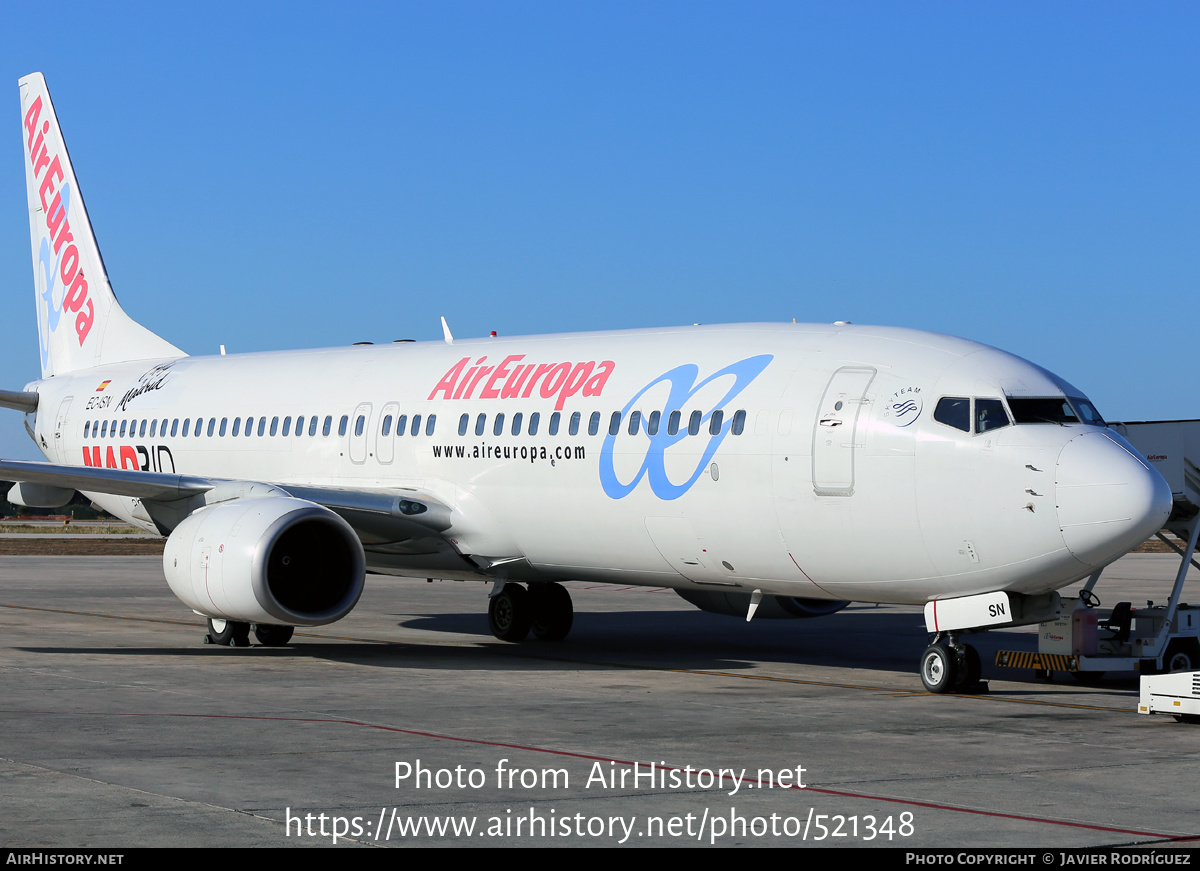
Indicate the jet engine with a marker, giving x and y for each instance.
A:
(276, 560)
(771, 607)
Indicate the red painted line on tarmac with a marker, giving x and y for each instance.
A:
(591, 757)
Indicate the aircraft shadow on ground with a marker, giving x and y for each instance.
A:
(685, 640)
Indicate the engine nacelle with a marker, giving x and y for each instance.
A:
(271, 560)
(771, 607)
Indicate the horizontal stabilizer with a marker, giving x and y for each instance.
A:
(19, 401)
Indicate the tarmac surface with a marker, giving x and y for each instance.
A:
(119, 728)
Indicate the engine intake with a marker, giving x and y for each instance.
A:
(271, 560)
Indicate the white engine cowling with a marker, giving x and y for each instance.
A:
(273, 560)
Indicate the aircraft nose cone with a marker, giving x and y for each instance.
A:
(1109, 499)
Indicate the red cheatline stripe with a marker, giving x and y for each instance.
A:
(594, 758)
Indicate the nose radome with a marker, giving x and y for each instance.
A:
(1109, 499)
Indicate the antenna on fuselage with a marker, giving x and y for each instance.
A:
(446, 331)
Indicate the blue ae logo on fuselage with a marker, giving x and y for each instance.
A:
(683, 387)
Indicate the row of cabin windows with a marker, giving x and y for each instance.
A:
(635, 422)
(261, 425)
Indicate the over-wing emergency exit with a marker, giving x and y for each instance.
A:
(757, 469)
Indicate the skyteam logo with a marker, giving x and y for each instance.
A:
(904, 406)
(682, 386)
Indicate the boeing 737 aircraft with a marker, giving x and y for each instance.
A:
(757, 469)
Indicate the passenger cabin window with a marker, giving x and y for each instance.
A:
(287, 425)
(237, 425)
(463, 423)
(694, 423)
(430, 422)
(498, 426)
(416, 425)
(652, 423)
(533, 422)
(715, 422)
(262, 426)
(635, 422)
(401, 424)
(614, 423)
(518, 419)
(328, 425)
(673, 423)
(342, 424)
(594, 423)
(212, 425)
(480, 423)
(954, 411)
(224, 424)
(739, 422)
(359, 425)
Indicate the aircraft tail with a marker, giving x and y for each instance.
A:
(80, 323)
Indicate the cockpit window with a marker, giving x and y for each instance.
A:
(1051, 409)
(954, 411)
(1086, 411)
(989, 415)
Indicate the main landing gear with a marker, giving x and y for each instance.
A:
(948, 665)
(230, 633)
(545, 608)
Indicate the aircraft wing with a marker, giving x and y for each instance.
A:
(120, 482)
(378, 516)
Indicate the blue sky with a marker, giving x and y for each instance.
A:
(301, 175)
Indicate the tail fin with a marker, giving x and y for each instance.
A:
(80, 323)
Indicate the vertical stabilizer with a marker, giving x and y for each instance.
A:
(80, 324)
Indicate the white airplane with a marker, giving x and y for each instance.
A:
(770, 469)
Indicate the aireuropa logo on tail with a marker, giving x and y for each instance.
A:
(64, 288)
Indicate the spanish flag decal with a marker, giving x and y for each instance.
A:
(103, 385)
